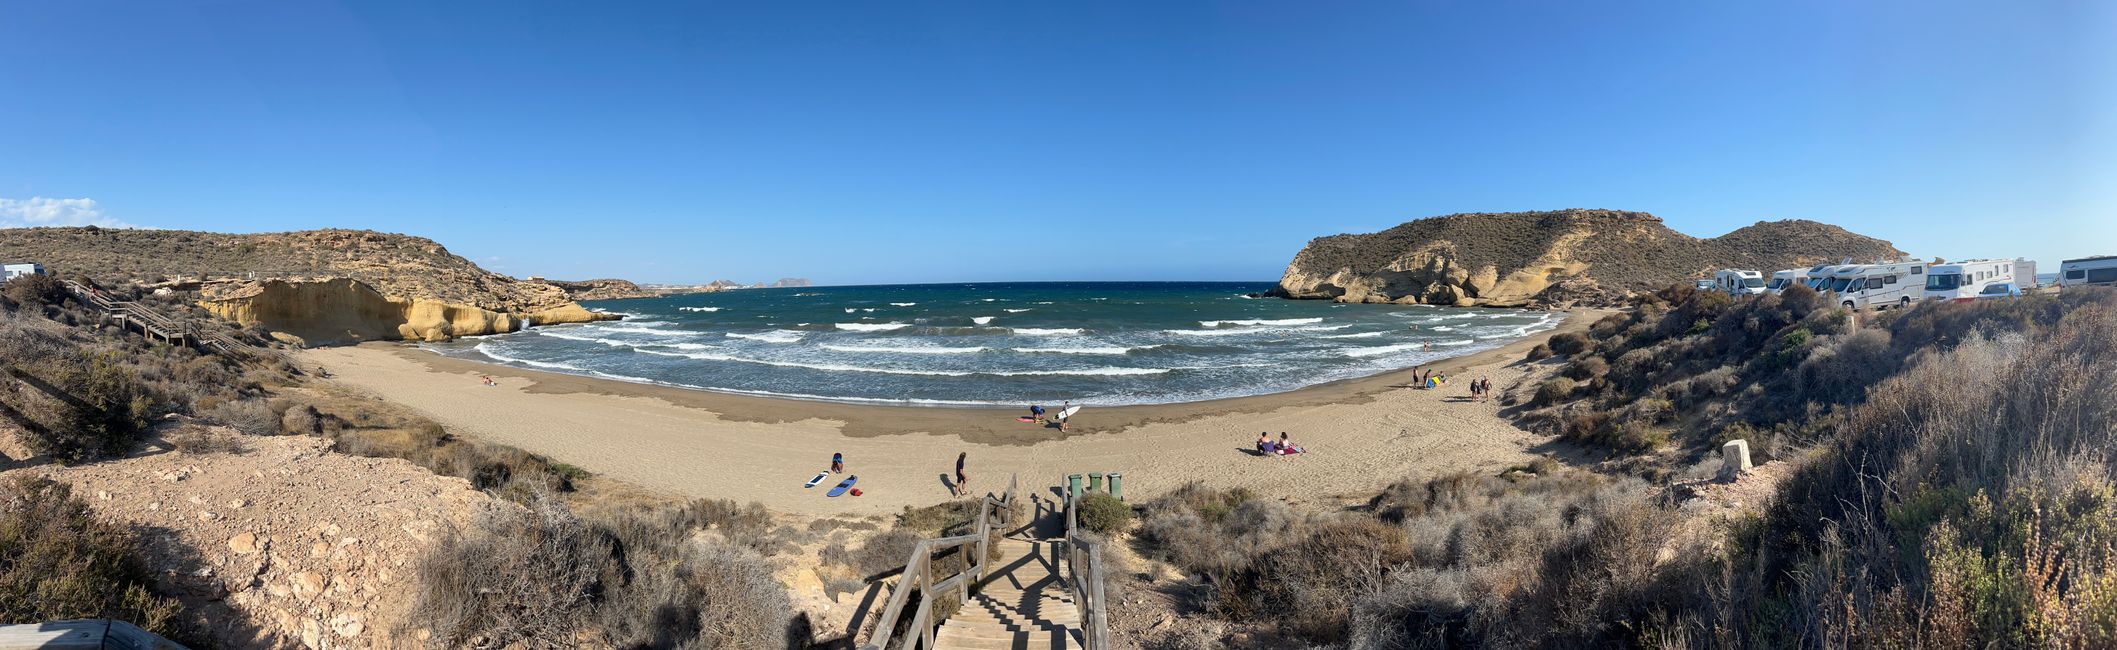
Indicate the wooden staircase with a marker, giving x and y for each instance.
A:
(1023, 605)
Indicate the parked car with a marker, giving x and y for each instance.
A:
(1998, 290)
(1703, 285)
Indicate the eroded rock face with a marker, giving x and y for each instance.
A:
(1538, 259)
(343, 310)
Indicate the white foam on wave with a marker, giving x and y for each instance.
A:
(1257, 330)
(1444, 328)
(1400, 347)
(982, 320)
(1358, 335)
(587, 339)
(835, 367)
(1096, 350)
(1015, 311)
(1056, 331)
(1260, 321)
(1046, 302)
(990, 299)
(774, 336)
(708, 309)
(643, 329)
(490, 353)
(872, 327)
(904, 304)
(851, 309)
(901, 350)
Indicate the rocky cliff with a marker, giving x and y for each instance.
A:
(1518, 259)
(316, 286)
(600, 289)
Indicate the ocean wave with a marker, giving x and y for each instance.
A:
(490, 353)
(1100, 350)
(1015, 311)
(649, 331)
(774, 336)
(1444, 328)
(896, 350)
(851, 309)
(872, 327)
(837, 367)
(982, 320)
(1046, 302)
(586, 339)
(1360, 335)
(1260, 321)
(1257, 330)
(1400, 347)
(904, 304)
(708, 309)
(1057, 331)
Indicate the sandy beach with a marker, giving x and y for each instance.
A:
(1361, 434)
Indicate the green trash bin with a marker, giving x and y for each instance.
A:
(1073, 485)
(1095, 481)
(1117, 486)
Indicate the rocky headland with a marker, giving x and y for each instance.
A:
(1549, 259)
(311, 287)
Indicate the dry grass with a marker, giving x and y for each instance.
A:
(57, 561)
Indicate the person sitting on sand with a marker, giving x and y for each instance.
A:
(838, 463)
(1264, 442)
(1287, 447)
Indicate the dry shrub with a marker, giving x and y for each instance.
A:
(1569, 343)
(540, 575)
(57, 561)
(301, 420)
(1587, 368)
(196, 440)
(250, 416)
(1541, 352)
(1317, 576)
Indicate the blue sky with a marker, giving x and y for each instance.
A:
(920, 142)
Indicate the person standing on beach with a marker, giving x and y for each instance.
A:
(962, 480)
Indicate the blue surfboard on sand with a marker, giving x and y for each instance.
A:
(847, 484)
(819, 479)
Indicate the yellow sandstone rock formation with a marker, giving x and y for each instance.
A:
(344, 310)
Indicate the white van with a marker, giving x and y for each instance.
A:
(1865, 286)
(1787, 278)
(1737, 282)
(1963, 281)
(2088, 271)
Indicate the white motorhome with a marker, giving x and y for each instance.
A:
(12, 271)
(2025, 273)
(1787, 278)
(2088, 271)
(1737, 282)
(1963, 281)
(1865, 286)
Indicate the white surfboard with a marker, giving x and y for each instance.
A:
(1068, 413)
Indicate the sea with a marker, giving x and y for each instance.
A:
(1100, 343)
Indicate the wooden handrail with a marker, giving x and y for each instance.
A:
(918, 574)
(168, 328)
(1084, 570)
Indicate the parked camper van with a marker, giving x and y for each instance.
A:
(2024, 273)
(2088, 271)
(1865, 286)
(1787, 278)
(1737, 282)
(1964, 281)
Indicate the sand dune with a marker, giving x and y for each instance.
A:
(1362, 434)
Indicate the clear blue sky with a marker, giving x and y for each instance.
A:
(917, 142)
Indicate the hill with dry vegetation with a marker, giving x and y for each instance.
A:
(313, 286)
(1594, 257)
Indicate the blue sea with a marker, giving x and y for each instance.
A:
(1001, 344)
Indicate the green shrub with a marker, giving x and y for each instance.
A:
(34, 290)
(1568, 343)
(1553, 391)
(1541, 352)
(57, 561)
(1103, 513)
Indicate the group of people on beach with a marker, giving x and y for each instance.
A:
(961, 488)
(1480, 390)
(1036, 411)
(1281, 447)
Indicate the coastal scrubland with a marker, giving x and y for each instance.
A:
(1950, 485)
(636, 571)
